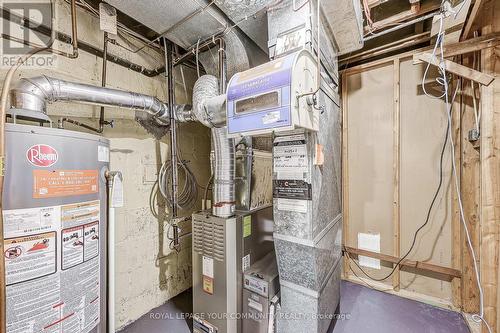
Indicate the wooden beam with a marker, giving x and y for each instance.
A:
(401, 17)
(467, 46)
(457, 69)
(447, 273)
(345, 174)
(471, 19)
(452, 52)
(390, 47)
(396, 204)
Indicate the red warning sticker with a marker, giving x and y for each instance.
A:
(63, 183)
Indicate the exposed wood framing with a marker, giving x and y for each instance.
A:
(391, 47)
(490, 171)
(471, 19)
(412, 13)
(472, 45)
(470, 191)
(345, 175)
(460, 70)
(467, 46)
(456, 226)
(396, 205)
(437, 271)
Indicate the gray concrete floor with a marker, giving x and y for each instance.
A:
(366, 310)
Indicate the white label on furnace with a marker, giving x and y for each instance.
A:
(208, 267)
(271, 117)
(290, 155)
(292, 205)
(245, 262)
(102, 154)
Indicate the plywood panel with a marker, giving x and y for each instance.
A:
(370, 157)
(423, 126)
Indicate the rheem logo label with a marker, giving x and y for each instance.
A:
(42, 155)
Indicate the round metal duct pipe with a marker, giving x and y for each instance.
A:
(34, 93)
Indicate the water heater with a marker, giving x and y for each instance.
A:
(54, 211)
(267, 98)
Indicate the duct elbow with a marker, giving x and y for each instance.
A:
(208, 106)
(31, 94)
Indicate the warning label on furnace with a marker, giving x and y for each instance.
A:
(63, 183)
(53, 276)
(292, 189)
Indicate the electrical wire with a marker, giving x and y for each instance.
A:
(189, 193)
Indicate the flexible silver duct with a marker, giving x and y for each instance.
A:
(209, 109)
(34, 93)
(223, 193)
(208, 106)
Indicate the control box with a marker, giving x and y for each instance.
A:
(270, 97)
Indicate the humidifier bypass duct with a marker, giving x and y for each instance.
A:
(209, 109)
(33, 94)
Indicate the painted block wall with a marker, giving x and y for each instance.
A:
(148, 273)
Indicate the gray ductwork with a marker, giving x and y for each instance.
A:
(33, 94)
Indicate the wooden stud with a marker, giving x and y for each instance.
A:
(490, 172)
(396, 205)
(460, 70)
(444, 273)
(345, 173)
(470, 191)
(456, 225)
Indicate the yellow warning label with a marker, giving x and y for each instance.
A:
(208, 285)
(247, 226)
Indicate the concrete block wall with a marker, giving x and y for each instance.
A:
(148, 273)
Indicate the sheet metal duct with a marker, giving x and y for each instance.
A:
(345, 20)
(250, 16)
(175, 19)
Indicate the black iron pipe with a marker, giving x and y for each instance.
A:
(102, 121)
(67, 39)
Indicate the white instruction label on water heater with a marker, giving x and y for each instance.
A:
(52, 268)
(102, 154)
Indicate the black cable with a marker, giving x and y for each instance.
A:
(427, 219)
